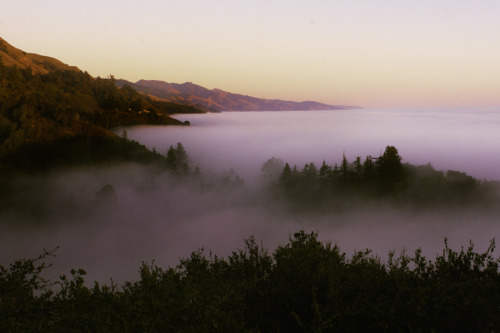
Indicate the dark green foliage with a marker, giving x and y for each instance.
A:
(383, 178)
(177, 159)
(26, 300)
(305, 285)
(77, 151)
(37, 110)
(389, 170)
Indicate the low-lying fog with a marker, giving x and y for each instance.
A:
(156, 218)
(460, 139)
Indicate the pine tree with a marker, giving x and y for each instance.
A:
(368, 170)
(389, 169)
(344, 169)
(171, 158)
(181, 159)
(325, 172)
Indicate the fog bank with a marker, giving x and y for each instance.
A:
(156, 217)
(457, 139)
(151, 215)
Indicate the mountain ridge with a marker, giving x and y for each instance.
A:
(39, 64)
(220, 100)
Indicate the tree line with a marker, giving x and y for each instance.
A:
(304, 285)
(384, 177)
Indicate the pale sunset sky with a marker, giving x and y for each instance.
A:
(385, 53)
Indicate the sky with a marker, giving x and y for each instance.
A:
(384, 53)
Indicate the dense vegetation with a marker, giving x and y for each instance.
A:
(385, 177)
(304, 285)
(66, 110)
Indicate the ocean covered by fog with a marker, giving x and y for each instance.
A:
(464, 139)
(156, 218)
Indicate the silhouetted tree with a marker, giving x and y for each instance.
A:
(171, 159)
(344, 168)
(181, 158)
(389, 169)
(325, 173)
(358, 168)
(287, 172)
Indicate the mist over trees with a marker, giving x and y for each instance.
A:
(303, 285)
(344, 187)
(379, 178)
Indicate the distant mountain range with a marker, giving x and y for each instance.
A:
(220, 100)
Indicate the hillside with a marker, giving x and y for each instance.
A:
(220, 100)
(39, 64)
(46, 106)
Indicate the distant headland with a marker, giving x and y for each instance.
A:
(220, 100)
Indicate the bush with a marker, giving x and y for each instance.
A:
(305, 285)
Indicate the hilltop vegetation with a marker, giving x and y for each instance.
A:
(304, 285)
